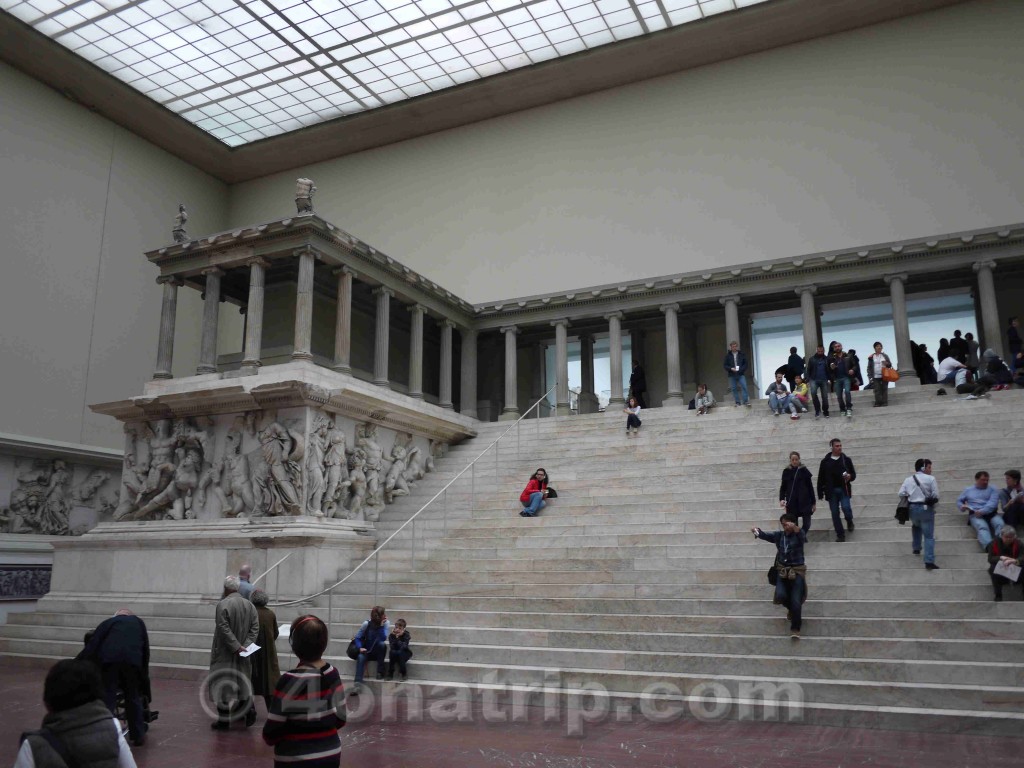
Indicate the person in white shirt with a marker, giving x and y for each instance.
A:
(633, 419)
(877, 363)
(703, 401)
(947, 370)
(922, 491)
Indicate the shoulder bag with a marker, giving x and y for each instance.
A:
(929, 501)
(890, 374)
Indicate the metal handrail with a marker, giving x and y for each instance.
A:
(271, 568)
(437, 495)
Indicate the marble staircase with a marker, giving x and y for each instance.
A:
(644, 572)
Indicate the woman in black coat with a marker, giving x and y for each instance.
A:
(796, 492)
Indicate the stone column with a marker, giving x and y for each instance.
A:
(511, 409)
(615, 360)
(588, 400)
(561, 367)
(445, 380)
(343, 321)
(254, 316)
(674, 396)
(211, 313)
(468, 391)
(689, 359)
(304, 307)
(732, 319)
(809, 319)
(382, 336)
(416, 352)
(538, 379)
(168, 316)
(993, 335)
(901, 327)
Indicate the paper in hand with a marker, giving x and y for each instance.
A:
(249, 651)
(1010, 571)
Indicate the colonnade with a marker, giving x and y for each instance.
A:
(384, 294)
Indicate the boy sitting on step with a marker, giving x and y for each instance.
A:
(400, 653)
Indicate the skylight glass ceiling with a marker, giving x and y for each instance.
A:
(244, 70)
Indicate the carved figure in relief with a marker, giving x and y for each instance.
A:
(176, 498)
(336, 467)
(316, 482)
(396, 483)
(282, 451)
(374, 455)
(161, 460)
(236, 482)
(356, 484)
(178, 232)
(39, 501)
(304, 191)
(53, 517)
(212, 478)
(88, 487)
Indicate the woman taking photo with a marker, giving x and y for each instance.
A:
(796, 492)
(533, 495)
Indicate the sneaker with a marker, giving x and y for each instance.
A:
(849, 525)
(817, 415)
(794, 416)
(840, 539)
(931, 566)
(917, 551)
(795, 634)
(826, 415)
(971, 397)
(737, 405)
(747, 404)
(523, 514)
(777, 413)
(849, 414)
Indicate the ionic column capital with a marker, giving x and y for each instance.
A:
(513, 329)
(215, 271)
(668, 307)
(725, 300)
(383, 290)
(307, 250)
(345, 269)
(980, 265)
(416, 308)
(562, 321)
(447, 322)
(613, 315)
(900, 276)
(811, 289)
(172, 280)
(258, 261)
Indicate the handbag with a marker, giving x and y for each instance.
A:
(929, 501)
(903, 510)
(353, 650)
(890, 374)
(552, 493)
(773, 572)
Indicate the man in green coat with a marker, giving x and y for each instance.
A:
(229, 685)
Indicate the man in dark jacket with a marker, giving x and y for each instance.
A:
(819, 375)
(638, 384)
(835, 475)
(958, 348)
(841, 368)
(794, 367)
(120, 648)
(735, 365)
(77, 728)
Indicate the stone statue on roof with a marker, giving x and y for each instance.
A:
(178, 233)
(304, 191)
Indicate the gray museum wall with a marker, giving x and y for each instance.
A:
(80, 200)
(894, 131)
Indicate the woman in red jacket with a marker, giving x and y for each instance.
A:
(534, 494)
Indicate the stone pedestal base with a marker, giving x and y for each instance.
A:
(674, 400)
(588, 402)
(908, 381)
(147, 560)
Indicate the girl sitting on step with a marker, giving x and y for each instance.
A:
(633, 418)
(532, 497)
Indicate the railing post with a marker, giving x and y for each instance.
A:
(376, 574)
(330, 610)
(472, 489)
(497, 490)
(414, 543)
(518, 424)
(445, 511)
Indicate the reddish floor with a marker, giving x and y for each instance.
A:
(182, 738)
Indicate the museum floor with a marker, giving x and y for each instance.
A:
(181, 738)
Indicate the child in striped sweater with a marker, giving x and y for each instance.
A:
(308, 706)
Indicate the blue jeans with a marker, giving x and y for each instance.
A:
(923, 520)
(816, 387)
(790, 593)
(736, 383)
(780, 404)
(837, 499)
(843, 394)
(981, 525)
(536, 504)
(374, 654)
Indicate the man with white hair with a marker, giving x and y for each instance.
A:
(245, 586)
(235, 628)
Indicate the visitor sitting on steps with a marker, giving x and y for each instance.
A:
(779, 399)
(801, 393)
(791, 574)
(633, 419)
(980, 502)
(533, 495)
(703, 401)
(400, 653)
(371, 642)
(1006, 547)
